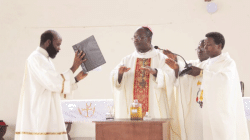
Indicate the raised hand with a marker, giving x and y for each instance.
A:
(78, 60)
(173, 65)
(150, 70)
(121, 70)
(81, 75)
(195, 71)
(170, 55)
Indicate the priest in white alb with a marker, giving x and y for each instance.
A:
(39, 112)
(187, 89)
(219, 97)
(143, 75)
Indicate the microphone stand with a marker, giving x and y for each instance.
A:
(187, 66)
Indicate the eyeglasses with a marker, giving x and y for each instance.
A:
(200, 49)
(138, 38)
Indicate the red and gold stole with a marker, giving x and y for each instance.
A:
(141, 83)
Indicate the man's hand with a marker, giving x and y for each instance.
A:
(150, 70)
(81, 75)
(195, 71)
(78, 60)
(121, 70)
(173, 65)
(170, 55)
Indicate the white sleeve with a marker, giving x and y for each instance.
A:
(51, 80)
(164, 74)
(114, 76)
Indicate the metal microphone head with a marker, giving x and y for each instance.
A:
(186, 70)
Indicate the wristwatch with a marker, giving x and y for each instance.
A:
(201, 72)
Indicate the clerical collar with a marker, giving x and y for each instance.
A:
(43, 51)
(151, 53)
(214, 59)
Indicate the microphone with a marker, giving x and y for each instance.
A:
(187, 66)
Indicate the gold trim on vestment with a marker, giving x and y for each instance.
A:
(63, 85)
(46, 133)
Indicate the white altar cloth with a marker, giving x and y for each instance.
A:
(246, 101)
(86, 110)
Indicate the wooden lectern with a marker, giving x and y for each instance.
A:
(126, 129)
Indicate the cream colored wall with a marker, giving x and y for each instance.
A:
(178, 25)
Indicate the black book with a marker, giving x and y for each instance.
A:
(93, 54)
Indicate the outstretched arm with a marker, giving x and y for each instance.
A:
(173, 65)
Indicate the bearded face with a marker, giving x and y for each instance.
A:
(52, 50)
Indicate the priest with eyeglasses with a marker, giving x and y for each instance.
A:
(144, 76)
(219, 95)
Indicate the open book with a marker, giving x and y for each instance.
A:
(93, 54)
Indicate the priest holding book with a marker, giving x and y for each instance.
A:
(145, 77)
(39, 112)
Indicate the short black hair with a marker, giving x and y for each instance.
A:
(45, 36)
(218, 38)
(202, 41)
(148, 32)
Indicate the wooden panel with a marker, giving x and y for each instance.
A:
(132, 130)
(166, 130)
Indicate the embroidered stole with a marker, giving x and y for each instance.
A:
(199, 100)
(141, 84)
